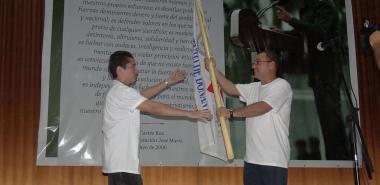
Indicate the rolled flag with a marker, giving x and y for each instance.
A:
(210, 135)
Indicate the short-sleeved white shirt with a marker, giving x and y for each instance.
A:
(121, 129)
(267, 141)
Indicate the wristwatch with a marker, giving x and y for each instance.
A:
(231, 113)
(166, 82)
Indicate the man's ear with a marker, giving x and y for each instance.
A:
(273, 65)
(118, 68)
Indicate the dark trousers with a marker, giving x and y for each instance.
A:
(327, 100)
(264, 175)
(122, 178)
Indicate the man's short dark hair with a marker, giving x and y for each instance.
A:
(118, 58)
(272, 55)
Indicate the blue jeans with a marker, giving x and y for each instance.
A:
(255, 174)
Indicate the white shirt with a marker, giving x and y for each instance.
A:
(121, 129)
(267, 141)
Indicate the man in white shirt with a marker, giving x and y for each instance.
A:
(267, 121)
(121, 118)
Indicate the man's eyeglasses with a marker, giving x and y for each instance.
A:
(261, 61)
